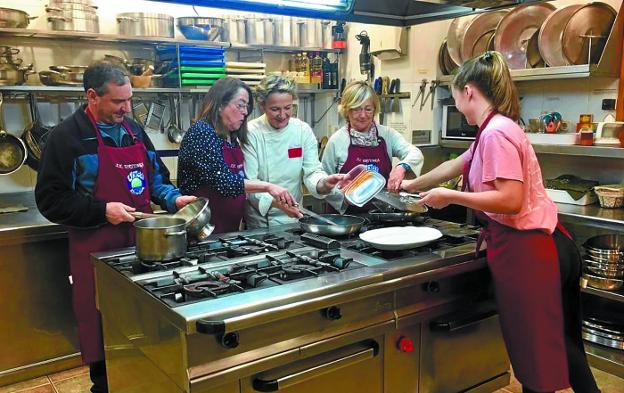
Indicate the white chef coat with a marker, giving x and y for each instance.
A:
(284, 157)
(337, 150)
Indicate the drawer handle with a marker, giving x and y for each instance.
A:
(274, 385)
(462, 319)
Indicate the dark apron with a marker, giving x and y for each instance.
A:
(122, 177)
(374, 157)
(226, 213)
(525, 271)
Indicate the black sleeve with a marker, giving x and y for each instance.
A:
(55, 194)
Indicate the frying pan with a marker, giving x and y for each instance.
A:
(12, 150)
(345, 225)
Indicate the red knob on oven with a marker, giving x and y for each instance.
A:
(405, 344)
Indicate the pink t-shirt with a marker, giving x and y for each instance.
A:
(504, 152)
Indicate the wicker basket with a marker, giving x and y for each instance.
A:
(610, 196)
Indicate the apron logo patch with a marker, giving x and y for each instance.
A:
(136, 182)
(372, 167)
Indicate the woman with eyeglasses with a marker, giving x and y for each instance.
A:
(363, 141)
(534, 261)
(210, 160)
(283, 150)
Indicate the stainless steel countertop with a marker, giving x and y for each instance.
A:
(593, 213)
(27, 225)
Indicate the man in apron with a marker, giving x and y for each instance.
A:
(98, 167)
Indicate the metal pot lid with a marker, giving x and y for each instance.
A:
(478, 33)
(549, 40)
(455, 37)
(515, 30)
(145, 15)
(595, 20)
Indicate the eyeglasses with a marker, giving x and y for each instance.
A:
(367, 110)
(241, 106)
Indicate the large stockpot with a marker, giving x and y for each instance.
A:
(345, 225)
(160, 238)
(234, 30)
(85, 19)
(283, 31)
(145, 24)
(12, 18)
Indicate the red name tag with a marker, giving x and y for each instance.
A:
(295, 152)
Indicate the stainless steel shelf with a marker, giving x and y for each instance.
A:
(116, 39)
(568, 150)
(592, 213)
(617, 296)
(150, 90)
(606, 359)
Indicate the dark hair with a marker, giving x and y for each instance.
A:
(219, 96)
(99, 75)
(490, 74)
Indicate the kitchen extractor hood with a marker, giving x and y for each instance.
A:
(384, 12)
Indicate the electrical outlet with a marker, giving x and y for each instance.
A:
(608, 104)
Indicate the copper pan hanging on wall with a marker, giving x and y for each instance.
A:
(455, 36)
(586, 33)
(478, 33)
(516, 29)
(549, 39)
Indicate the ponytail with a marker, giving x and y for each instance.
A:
(490, 74)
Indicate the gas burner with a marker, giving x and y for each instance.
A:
(203, 282)
(204, 289)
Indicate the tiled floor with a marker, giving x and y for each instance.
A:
(77, 381)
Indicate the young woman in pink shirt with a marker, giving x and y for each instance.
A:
(534, 262)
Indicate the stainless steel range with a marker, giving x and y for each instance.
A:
(279, 310)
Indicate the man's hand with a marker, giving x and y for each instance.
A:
(117, 212)
(184, 200)
(396, 177)
(281, 195)
(291, 211)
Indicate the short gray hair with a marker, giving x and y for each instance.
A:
(100, 74)
(275, 84)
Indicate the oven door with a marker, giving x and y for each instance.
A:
(352, 368)
(464, 351)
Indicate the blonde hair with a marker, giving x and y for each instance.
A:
(275, 84)
(489, 73)
(354, 95)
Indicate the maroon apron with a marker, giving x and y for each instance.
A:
(374, 157)
(525, 270)
(122, 177)
(226, 213)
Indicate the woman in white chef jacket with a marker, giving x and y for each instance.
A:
(284, 151)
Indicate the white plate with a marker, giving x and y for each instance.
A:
(400, 238)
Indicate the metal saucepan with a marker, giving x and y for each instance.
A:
(160, 238)
(197, 216)
(12, 150)
(612, 243)
(345, 225)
